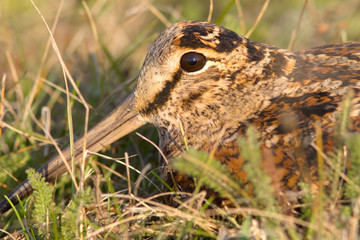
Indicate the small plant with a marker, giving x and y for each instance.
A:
(73, 224)
(43, 212)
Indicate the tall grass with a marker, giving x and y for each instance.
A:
(101, 48)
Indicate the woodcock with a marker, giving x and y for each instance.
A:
(215, 83)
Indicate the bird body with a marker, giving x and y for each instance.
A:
(284, 95)
(204, 85)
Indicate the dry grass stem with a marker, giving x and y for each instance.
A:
(258, 19)
(157, 13)
(128, 175)
(211, 9)
(57, 87)
(241, 17)
(44, 57)
(296, 32)
(15, 77)
(2, 112)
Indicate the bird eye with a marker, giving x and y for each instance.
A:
(192, 61)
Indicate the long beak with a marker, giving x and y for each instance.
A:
(120, 122)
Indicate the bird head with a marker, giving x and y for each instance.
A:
(207, 80)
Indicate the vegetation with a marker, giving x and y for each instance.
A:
(101, 48)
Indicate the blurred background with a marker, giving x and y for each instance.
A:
(103, 44)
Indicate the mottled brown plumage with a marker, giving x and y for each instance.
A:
(215, 84)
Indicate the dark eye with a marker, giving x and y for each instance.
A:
(192, 61)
